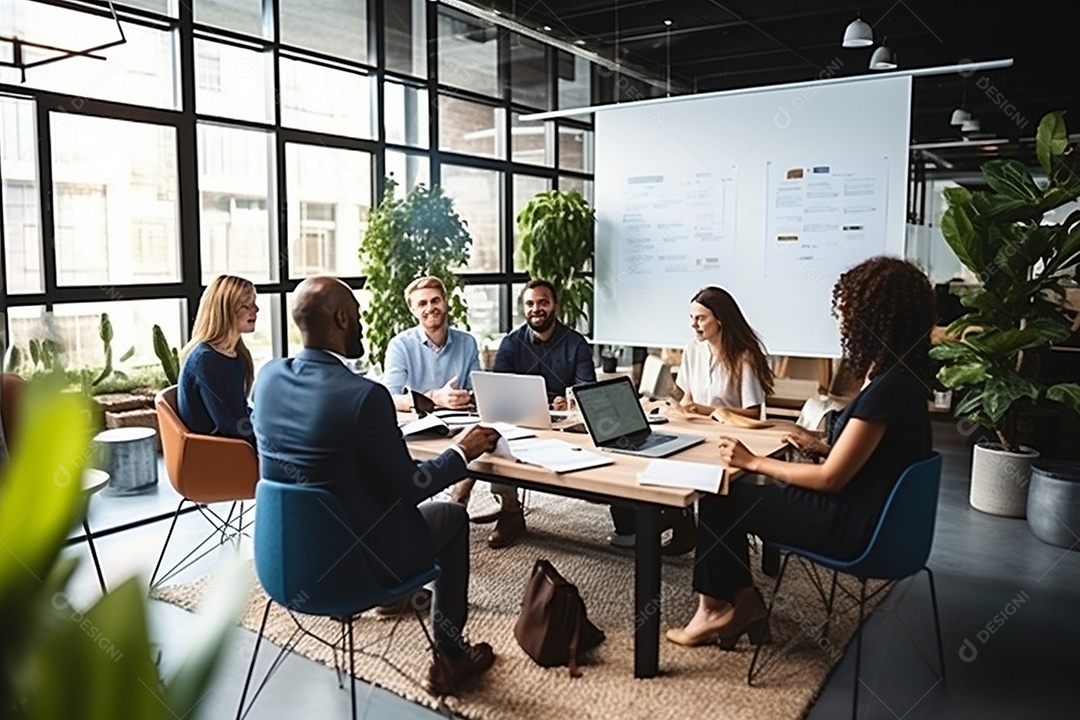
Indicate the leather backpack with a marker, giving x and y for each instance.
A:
(553, 628)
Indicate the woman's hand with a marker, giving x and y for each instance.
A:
(807, 443)
(734, 454)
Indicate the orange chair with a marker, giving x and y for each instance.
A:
(204, 469)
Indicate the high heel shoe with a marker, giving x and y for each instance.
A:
(706, 636)
(750, 617)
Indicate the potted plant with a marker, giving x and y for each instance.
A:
(991, 357)
(407, 238)
(609, 357)
(557, 237)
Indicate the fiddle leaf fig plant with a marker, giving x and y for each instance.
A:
(1018, 311)
(557, 236)
(406, 238)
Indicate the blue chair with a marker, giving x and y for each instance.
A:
(310, 560)
(898, 548)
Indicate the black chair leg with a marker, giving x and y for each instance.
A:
(858, 650)
(937, 622)
(94, 556)
(251, 667)
(768, 615)
(352, 669)
(172, 526)
(829, 606)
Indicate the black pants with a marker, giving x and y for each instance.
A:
(625, 519)
(788, 515)
(449, 525)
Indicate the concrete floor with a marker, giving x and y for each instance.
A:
(986, 567)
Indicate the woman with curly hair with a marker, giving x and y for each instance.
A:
(216, 370)
(885, 310)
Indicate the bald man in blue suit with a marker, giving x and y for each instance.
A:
(317, 421)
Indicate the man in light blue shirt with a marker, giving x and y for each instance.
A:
(431, 358)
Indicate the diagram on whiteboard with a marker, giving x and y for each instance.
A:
(677, 228)
(823, 218)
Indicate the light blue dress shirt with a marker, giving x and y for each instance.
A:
(413, 361)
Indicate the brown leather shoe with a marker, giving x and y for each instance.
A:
(416, 600)
(445, 675)
(508, 529)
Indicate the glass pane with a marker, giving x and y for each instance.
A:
(115, 190)
(585, 187)
(139, 71)
(236, 231)
(483, 302)
(528, 72)
(333, 27)
(74, 327)
(525, 188)
(243, 16)
(322, 99)
(329, 195)
(22, 217)
(575, 148)
(165, 7)
(471, 128)
(468, 54)
(405, 26)
(532, 142)
(261, 342)
(408, 170)
(406, 115)
(231, 81)
(476, 196)
(575, 80)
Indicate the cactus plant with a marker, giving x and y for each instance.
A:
(105, 332)
(170, 359)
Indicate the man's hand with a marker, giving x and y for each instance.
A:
(450, 395)
(478, 441)
(559, 403)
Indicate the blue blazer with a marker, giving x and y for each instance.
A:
(318, 422)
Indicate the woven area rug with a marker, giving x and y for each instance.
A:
(694, 682)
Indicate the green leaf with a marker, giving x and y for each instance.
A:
(127, 354)
(1051, 138)
(952, 351)
(1011, 178)
(960, 234)
(1067, 394)
(956, 376)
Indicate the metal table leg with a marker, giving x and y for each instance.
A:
(647, 592)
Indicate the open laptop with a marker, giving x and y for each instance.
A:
(616, 422)
(514, 399)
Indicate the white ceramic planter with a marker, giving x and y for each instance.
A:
(999, 480)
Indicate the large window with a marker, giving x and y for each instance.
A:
(213, 141)
(115, 189)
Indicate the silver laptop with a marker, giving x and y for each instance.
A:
(515, 399)
(616, 422)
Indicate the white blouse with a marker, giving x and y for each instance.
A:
(708, 383)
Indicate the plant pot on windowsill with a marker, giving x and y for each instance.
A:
(609, 364)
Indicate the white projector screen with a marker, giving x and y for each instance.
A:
(768, 193)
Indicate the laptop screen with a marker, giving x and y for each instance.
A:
(611, 409)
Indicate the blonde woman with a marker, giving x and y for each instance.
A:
(216, 371)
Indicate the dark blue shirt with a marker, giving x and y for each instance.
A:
(564, 361)
(210, 394)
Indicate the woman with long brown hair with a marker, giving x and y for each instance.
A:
(724, 366)
(216, 371)
(885, 311)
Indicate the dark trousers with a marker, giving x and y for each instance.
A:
(449, 525)
(788, 515)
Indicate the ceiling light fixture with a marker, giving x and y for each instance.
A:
(547, 28)
(858, 34)
(959, 116)
(668, 22)
(884, 57)
(971, 125)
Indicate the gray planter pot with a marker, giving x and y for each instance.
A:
(1053, 510)
(999, 480)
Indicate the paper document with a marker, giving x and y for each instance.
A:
(681, 474)
(511, 432)
(555, 455)
(428, 426)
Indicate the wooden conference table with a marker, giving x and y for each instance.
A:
(617, 484)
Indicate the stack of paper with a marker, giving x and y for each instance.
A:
(555, 455)
(683, 475)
